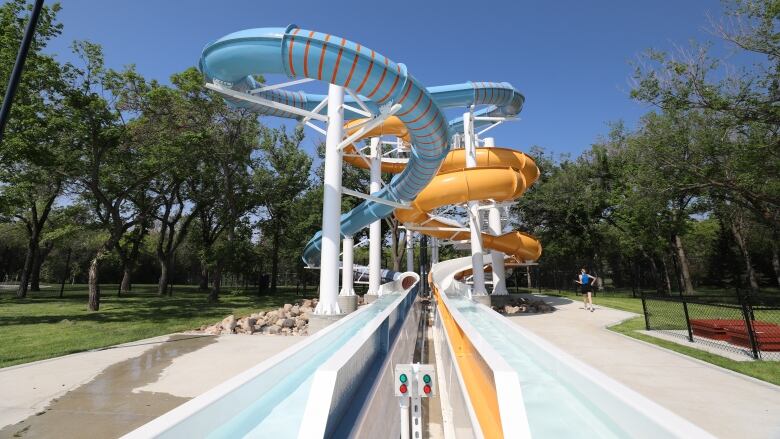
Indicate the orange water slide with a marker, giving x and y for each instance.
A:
(502, 174)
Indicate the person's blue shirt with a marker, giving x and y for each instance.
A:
(585, 279)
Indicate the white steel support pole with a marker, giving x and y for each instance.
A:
(404, 406)
(375, 229)
(347, 262)
(434, 251)
(409, 251)
(496, 257)
(331, 205)
(477, 259)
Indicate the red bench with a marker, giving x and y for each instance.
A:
(734, 331)
(767, 337)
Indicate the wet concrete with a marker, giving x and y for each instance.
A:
(106, 406)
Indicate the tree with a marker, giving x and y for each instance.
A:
(34, 158)
(113, 174)
(744, 105)
(174, 127)
(281, 181)
(224, 197)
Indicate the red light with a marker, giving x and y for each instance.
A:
(403, 388)
(427, 389)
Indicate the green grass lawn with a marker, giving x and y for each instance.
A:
(764, 370)
(45, 326)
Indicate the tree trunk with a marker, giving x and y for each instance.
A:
(275, 258)
(204, 277)
(394, 246)
(736, 230)
(216, 283)
(32, 248)
(685, 271)
(667, 280)
(94, 285)
(35, 274)
(40, 258)
(656, 275)
(162, 282)
(776, 258)
(124, 287)
(65, 273)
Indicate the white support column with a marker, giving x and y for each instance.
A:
(434, 251)
(331, 205)
(347, 267)
(375, 229)
(496, 257)
(409, 251)
(477, 259)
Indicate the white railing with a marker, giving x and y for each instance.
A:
(332, 403)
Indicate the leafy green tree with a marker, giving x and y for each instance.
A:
(174, 127)
(224, 196)
(743, 102)
(114, 174)
(34, 154)
(281, 182)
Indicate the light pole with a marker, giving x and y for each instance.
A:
(16, 73)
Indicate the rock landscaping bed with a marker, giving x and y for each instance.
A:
(524, 306)
(291, 319)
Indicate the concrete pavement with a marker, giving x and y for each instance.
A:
(727, 404)
(111, 392)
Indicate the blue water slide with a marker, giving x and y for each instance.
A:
(232, 61)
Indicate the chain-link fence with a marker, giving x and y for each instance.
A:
(741, 324)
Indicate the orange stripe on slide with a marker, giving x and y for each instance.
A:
(354, 63)
(480, 386)
(430, 103)
(381, 80)
(433, 119)
(290, 52)
(306, 55)
(322, 57)
(406, 93)
(368, 73)
(413, 105)
(338, 61)
(397, 77)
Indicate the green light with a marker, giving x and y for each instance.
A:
(402, 377)
(426, 378)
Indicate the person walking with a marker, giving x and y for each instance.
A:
(586, 288)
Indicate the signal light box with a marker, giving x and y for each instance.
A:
(426, 385)
(403, 374)
(415, 380)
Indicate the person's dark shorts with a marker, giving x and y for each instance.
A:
(585, 289)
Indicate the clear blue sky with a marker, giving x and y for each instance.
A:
(569, 58)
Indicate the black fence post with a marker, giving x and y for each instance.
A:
(746, 315)
(647, 317)
(687, 318)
